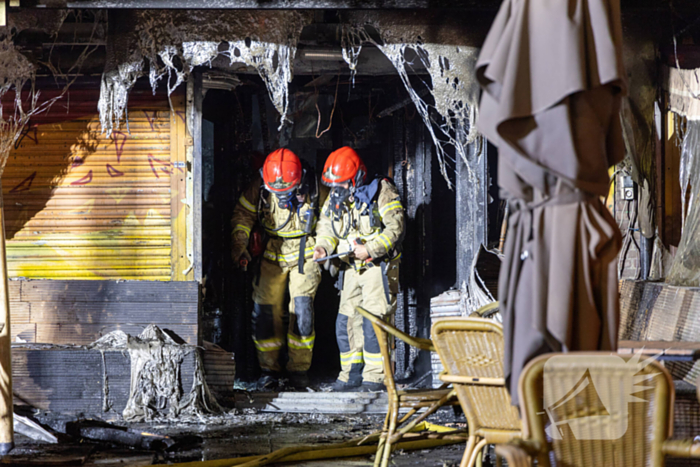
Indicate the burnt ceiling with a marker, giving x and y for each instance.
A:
(679, 5)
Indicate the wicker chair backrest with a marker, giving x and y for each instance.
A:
(597, 409)
(473, 347)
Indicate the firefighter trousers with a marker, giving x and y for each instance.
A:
(375, 291)
(269, 314)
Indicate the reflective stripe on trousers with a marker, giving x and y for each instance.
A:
(269, 332)
(361, 358)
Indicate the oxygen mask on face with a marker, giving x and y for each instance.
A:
(287, 200)
(340, 196)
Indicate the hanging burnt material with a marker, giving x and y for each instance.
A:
(172, 42)
(637, 115)
(684, 100)
(411, 44)
(17, 74)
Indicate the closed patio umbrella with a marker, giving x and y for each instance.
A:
(552, 76)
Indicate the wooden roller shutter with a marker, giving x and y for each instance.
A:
(80, 205)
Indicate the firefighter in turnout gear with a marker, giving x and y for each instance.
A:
(285, 204)
(366, 218)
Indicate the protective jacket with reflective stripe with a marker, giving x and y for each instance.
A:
(283, 244)
(382, 240)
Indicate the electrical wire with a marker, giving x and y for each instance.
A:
(629, 238)
(330, 121)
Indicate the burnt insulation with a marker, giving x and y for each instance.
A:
(453, 83)
(155, 392)
(172, 42)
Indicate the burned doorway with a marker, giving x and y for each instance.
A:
(373, 114)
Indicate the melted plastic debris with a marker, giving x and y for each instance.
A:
(273, 63)
(475, 294)
(453, 83)
(155, 378)
(174, 42)
(114, 93)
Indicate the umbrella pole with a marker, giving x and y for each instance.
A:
(6, 408)
(504, 228)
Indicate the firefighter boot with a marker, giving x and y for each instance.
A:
(268, 381)
(371, 387)
(342, 386)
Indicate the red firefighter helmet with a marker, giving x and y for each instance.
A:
(282, 171)
(342, 165)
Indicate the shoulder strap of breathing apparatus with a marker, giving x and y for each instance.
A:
(309, 183)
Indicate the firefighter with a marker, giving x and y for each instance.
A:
(366, 218)
(285, 204)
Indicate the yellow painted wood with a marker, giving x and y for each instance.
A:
(6, 407)
(81, 205)
(611, 191)
(178, 138)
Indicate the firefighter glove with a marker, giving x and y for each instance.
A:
(238, 255)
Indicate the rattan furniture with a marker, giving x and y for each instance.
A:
(673, 351)
(431, 400)
(584, 430)
(471, 351)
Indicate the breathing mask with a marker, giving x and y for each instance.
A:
(288, 200)
(339, 197)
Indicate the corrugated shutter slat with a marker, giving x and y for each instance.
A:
(80, 205)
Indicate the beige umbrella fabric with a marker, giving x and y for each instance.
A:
(552, 76)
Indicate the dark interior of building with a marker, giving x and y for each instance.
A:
(240, 126)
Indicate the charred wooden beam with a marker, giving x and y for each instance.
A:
(471, 216)
(409, 100)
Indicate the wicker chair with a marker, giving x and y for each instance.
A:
(414, 400)
(471, 351)
(588, 394)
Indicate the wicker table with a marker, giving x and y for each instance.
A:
(665, 350)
